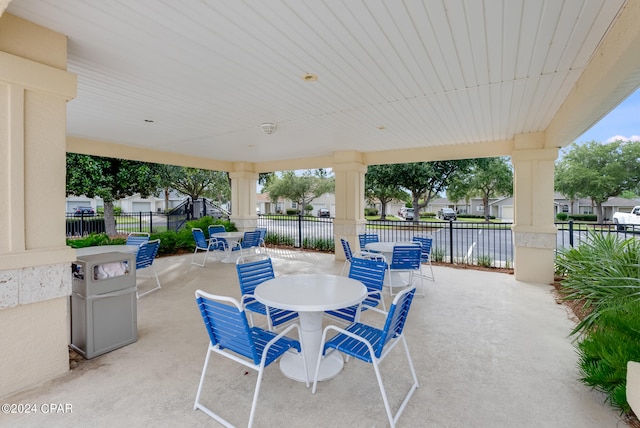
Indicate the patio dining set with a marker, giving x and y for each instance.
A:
(295, 307)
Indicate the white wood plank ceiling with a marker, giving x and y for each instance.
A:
(391, 74)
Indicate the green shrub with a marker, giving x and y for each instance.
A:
(602, 270)
(437, 254)
(319, 244)
(562, 216)
(485, 260)
(427, 215)
(204, 222)
(604, 275)
(582, 217)
(370, 212)
(291, 211)
(605, 351)
(93, 240)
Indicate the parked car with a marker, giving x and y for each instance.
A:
(324, 212)
(409, 214)
(83, 211)
(622, 220)
(447, 214)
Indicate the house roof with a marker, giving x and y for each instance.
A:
(194, 81)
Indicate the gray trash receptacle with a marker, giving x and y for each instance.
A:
(104, 313)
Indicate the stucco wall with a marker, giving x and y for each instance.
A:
(35, 279)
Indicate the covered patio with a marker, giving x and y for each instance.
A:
(488, 351)
(338, 84)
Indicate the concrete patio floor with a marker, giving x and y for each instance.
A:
(489, 352)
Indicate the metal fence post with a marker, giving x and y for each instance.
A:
(299, 231)
(451, 241)
(151, 222)
(571, 233)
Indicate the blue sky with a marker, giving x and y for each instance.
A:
(623, 123)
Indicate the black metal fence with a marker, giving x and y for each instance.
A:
(473, 243)
(84, 224)
(485, 244)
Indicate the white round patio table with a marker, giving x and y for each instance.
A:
(310, 295)
(232, 239)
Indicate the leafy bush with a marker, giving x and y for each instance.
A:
(437, 254)
(319, 244)
(562, 216)
(485, 260)
(370, 212)
(601, 271)
(93, 240)
(204, 222)
(583, 217)
(277, 239)
(605, 351)
(604, 275)
(427, 215)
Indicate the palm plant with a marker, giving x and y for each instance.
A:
(602, 273)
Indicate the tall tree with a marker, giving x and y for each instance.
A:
(168, 174)
(598, 171)
(376, 186)
(425, 180)
(301, 189)
(110, 179)
(197, 182)
(487, 178)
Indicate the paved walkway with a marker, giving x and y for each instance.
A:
(489, 352)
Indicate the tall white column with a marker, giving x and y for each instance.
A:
(35, 263)
(534, 232)
(243, 196)
(349, 219)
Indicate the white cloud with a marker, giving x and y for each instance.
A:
(622, 138)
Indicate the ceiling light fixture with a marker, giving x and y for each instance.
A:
(268, 128)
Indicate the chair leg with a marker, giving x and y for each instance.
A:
(193, 262)
(344, 266)
(199, 406)
(394, 418)
(158, 286)
(255, 396)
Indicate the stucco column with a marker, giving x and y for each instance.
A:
(35, 275)
(243, 196)
(534, 232)
(349, 171)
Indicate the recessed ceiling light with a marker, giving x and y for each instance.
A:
(309, 77)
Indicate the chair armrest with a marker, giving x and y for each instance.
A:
(280, 336)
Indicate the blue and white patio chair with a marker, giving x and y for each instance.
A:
(366, 238)
(253, 270)
(216, 243)
(372, 274)
(349, 255)
(405, 259)
(426, 243)
(144, 259)
(137, 238)
(372, 345)
(250, 243)
(204, 244)
(263, 236)
(231, 336)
